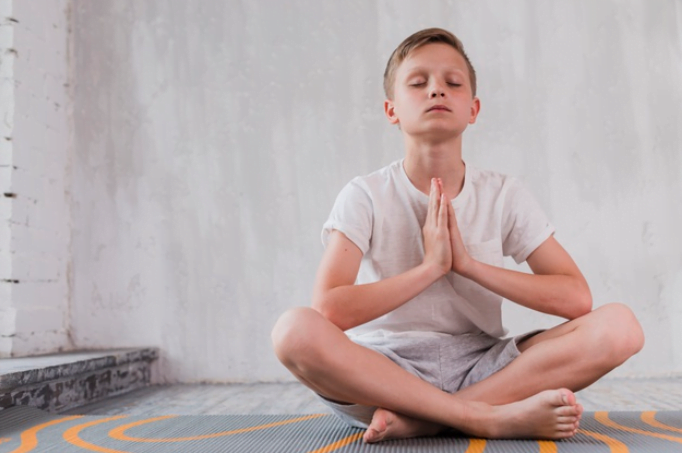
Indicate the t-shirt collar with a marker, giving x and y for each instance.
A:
(459, 200)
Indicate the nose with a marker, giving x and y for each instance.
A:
(436, 91)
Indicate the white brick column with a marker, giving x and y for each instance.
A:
(7, 312)
(35, 177)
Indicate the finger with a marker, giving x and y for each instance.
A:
(434, 201)
(443, 212)
(440, 188)
(452, 220)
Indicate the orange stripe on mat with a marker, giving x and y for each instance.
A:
(339, 443)
(29, 438)
(650, 419)
(119, 432)
(475, 446)
(615, 446)
(71, 435)
(603, 418)
(547, 446)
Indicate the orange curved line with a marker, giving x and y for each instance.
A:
(475, 446)
(650, 419)
(339, 443)
(71, 435)
(615, 446)
(547, 446)
(118, 433)
(603, 418)
(29, 439)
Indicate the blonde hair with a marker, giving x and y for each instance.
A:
(417, 40)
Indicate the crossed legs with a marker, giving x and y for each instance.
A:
(514, 402)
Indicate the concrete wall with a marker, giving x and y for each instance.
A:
(7, 311)
(211, 138)
(35, 209)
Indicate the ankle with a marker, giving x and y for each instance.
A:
(479, 419)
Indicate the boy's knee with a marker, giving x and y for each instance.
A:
(291, 336)
(623, 337)
(633, 340)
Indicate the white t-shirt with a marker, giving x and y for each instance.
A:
(383, 214)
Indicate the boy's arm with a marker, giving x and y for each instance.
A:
(557, 286)
(347, 305)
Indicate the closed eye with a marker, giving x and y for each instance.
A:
(454, 84)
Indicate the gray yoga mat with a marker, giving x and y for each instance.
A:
(24, 429)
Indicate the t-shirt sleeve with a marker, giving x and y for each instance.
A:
(524, 224)
(351, 215)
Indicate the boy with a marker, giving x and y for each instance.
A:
(403, 337)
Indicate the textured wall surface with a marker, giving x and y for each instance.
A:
(34, 165)
(7, 311)
(212, 137)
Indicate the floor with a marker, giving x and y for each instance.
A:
(293, 398)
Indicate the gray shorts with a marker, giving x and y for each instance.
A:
(447, 362)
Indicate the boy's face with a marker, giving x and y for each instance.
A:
(432, 96)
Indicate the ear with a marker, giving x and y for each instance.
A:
(389, 110)
(475, 108)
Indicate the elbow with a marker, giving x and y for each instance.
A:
(585, 298)
(584, 304)
(330, 312)
(581, 302)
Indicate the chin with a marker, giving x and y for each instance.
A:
(438, 134)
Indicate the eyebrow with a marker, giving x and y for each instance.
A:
(412, 71)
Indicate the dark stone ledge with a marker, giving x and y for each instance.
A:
(62, 381)
(16, 373)
(70, 392)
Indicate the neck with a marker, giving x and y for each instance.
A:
(443, 160)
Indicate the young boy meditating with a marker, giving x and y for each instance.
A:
(404, 336)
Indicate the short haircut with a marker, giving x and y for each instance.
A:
(417, 40)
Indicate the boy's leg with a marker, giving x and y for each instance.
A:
(572, 355)
(321, 356)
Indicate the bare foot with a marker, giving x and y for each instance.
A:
(552, 414)
(387, 425)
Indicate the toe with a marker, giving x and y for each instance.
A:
(567, 397)
(567, 419)
(567, 411)
(566, 430)
(371, 435)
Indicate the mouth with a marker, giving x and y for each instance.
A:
(439, 108)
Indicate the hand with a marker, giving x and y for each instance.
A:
(461, 261)
(437, 245)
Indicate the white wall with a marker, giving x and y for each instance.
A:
(34, 177)
(7, 311)
(212, 137)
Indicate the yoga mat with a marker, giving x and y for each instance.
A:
(26, 429)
